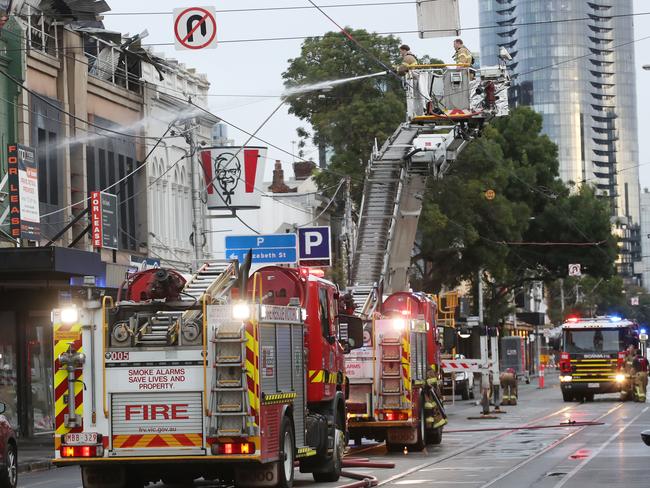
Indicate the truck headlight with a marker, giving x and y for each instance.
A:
(69, 315)
(241, 311)
(620, 378)
(399, 324)
(565, 379)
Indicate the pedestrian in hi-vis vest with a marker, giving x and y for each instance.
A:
(639, 377)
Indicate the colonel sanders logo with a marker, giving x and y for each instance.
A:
(227, 168)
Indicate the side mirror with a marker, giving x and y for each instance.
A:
(3, 408)
(351, 332)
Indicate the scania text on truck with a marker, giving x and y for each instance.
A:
(223, 377)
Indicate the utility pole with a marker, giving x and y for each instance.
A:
(562, 296)
(198, 232)
(350, 233)
(485, 372)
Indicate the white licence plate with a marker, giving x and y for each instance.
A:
(80, 438)
(593, 385)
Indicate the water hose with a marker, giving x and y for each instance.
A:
(531, 427)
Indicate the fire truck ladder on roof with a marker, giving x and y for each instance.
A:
(229, 403)
(214, 278)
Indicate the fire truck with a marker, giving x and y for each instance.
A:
(220, 377)
(592, 357)
(388, 376)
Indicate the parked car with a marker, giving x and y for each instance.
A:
(645, 435)
(9, 450)
(464, 382)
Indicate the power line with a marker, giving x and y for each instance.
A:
(327, 207)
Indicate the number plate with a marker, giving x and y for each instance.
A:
(80, 438)
(593, 385)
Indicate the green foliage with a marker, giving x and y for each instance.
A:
(462, 231)
(349, 118)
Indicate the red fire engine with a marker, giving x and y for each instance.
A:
(394, 377)
(222, 377)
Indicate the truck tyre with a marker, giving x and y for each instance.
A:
(421, 433)
(287, 454)
(394, 447)
(9, 474)
(332, 471)
(567, 397)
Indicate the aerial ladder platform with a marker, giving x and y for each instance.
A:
(447, 107)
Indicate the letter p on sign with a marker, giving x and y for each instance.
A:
(315, 246)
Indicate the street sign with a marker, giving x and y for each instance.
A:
(267, 249)
(315, 244)
(195, 28)
(103, 215)
(575, 270)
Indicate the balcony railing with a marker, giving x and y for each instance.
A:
(110, 62)
(41, 33)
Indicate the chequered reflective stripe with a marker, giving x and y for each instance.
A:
(157, 440)
(64, 335)
(406, 367)
(322, 376)
(252, 370)
(278, 398)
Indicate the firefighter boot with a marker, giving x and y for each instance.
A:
(641, 383)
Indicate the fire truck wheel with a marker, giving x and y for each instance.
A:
(394, 447)
(567, 397)
(9, 474)
(333, 470)
(287, 455)
(434, 436)
(421, 433)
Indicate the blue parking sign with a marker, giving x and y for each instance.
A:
(315, 246)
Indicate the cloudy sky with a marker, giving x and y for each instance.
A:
(246, 76)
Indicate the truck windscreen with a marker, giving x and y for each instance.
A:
(593, 341)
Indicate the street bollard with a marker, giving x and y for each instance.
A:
(541, 376)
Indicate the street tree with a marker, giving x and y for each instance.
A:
(532, 228)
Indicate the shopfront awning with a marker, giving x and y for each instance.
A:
(27, 264)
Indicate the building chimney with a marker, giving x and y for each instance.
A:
(278, 185)
(303, 169)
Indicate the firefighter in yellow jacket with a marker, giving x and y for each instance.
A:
(408, 60)
(462, 55)
(434, 412)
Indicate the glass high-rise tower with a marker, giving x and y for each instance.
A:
(573, 62)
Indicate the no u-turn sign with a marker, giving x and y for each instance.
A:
(195, 28)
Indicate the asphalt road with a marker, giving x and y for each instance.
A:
(609, 455)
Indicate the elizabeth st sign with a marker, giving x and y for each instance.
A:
(310, 247)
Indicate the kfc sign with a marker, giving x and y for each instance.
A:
(234, 176)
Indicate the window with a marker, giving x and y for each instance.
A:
(109, 160)
(323, 311)
(46, 127)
